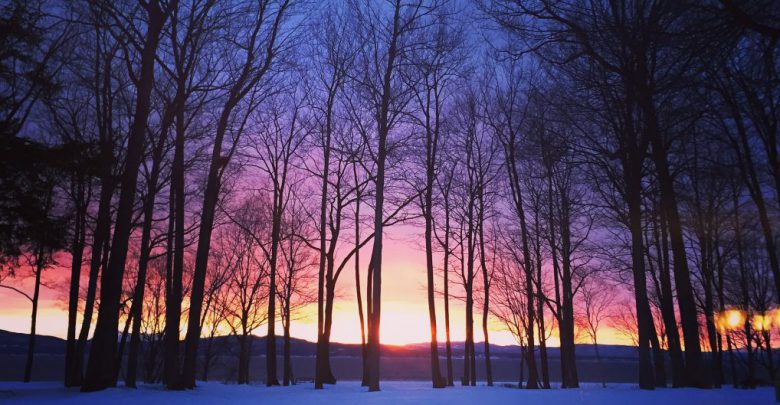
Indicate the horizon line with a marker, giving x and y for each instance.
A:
(350, 343)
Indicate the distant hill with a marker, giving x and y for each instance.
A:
(16, 343)
(407, 362)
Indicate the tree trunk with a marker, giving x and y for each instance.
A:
(101, 365)
(270, 341)
(486, 287)
(732, 363)
(632, 174)
(695, 370)
(383, 129)
(598, 362)
(522, 367)
(744, 292)
(72, 365)
(467, 348)
(208, 357)
(358, 292)
(136, 310)
(470, 373)
(369, 302)
(659, 370)
(102, 231)
(450, 376)
(667, 303)
(122, 343)
(242, 360)
(473, 358)
(174, 291)
(192, 338)
(539, 302)
(446, 270)
(709, 308)
(566, 339)
(542, 341)
(510, 152)
(431, 147)
(171, 327)
(99, 251)
(288, 372)
(436, 377)
(319, 372)
(28, 366)
(326, 374)
(567, 309)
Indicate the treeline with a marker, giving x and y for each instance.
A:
(210, 167)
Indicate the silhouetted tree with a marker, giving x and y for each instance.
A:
(100, 369)
(260, 38)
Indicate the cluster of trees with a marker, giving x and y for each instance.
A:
(200, 163)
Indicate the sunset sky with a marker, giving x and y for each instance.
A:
(404, 304)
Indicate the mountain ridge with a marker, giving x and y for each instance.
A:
(15, 343)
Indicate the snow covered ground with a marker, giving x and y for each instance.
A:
(393, 392)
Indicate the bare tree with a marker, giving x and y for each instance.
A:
(183, 63)
(69, 118)
(509, 299)
(153, 322)
(625, 323)
(471, 150)
(243, 304)
(262, 39)
(334, 57)
(104, 54)
(444, 183)
(597, 299)
(295, 277)
(276, 149)
(640, 85)
(487, 174)
(505, 120)
(225, 261)
(38, 257)
(152, 188)
(378, 80)
(437, 67)
(100, 369)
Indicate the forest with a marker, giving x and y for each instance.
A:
(197, 169)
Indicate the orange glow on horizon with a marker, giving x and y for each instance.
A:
(404, 306)
(402, 323)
